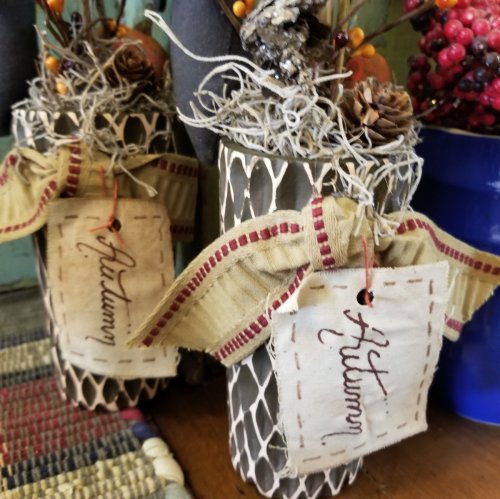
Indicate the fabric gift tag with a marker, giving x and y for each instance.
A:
(101, 290)
(353, 379)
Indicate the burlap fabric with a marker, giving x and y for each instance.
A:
(29, 180)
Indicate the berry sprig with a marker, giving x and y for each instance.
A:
(354, 40)
(455, 80)
(357, 43)
(142, 67)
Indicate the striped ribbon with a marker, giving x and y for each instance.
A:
(224, 301)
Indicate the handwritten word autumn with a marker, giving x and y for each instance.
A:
(113, 265)
(358, 360)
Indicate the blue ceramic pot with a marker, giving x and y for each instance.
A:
(460, 191)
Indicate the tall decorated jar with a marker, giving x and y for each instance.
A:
(96, 173)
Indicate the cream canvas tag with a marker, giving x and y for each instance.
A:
(101, 291)
(354, 379)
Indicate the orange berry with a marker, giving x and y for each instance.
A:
(121, 32)
(367, 50)
(250, 5)
(56, 6)
(52, 64)
(356, 37)
(61, 87)
(446, 4)
(239, 9)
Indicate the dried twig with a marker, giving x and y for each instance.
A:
(119, 15)
(429, 4)
(82, 34)
(49, 25)
(325, 15)
(101, 11)
(87, 18)
(55, 24)
(350, 13)
(343, 10)
(229, 14)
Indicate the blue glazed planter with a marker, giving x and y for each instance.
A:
(460, 191)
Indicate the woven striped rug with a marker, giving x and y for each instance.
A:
(49, 448)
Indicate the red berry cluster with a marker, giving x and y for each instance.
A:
(455, 80)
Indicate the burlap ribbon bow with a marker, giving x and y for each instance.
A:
(223, 302)
(29, 181)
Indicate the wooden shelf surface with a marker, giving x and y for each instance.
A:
(454, 459)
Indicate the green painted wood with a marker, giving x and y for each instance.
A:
(17, 264)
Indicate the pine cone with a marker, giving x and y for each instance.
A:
(382, 110)
(131, 66)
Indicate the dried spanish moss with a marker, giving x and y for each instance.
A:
(94, 85)
(266, 115)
